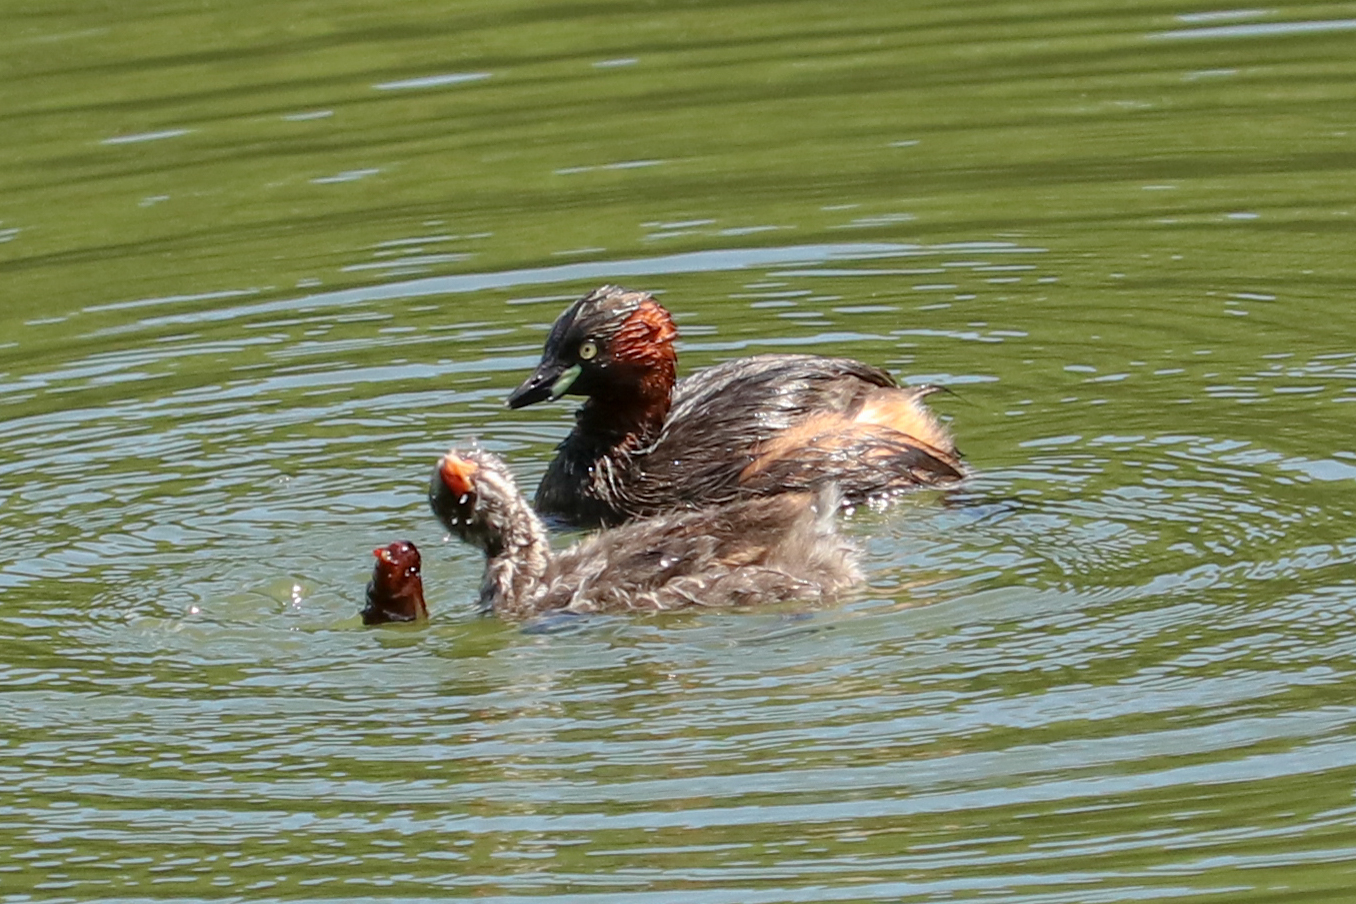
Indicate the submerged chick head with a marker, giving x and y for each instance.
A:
(607, 329)
(396, 591)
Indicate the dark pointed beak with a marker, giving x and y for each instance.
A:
(550, 380)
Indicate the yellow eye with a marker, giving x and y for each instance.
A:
(588, 350)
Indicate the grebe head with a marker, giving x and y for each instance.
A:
(471, 493)
(599, 345)
(396, 591)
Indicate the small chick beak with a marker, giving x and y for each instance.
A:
(550, 381)
(458, 475)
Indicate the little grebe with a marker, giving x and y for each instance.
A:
(396, 592)
(754, 426)
(754, 551)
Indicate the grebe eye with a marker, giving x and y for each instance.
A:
(588, 350)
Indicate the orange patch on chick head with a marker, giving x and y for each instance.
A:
(458, 474)
(401, 554)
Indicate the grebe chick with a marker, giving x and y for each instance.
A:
(755, 551)
(755, 426)
(396, 591)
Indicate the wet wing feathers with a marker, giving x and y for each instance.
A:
(733, 410)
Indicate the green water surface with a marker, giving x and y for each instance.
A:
(260, 263)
